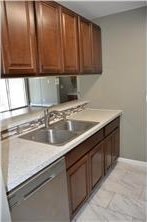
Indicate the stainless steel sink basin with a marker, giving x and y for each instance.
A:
(59, 133)
(50, 136)
(74, 125)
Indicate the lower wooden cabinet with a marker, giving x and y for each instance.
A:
(84, 175)
(96, 165)
(88, 163)
(111, 149)
(108, 152)
(115, 144)
(78, 182)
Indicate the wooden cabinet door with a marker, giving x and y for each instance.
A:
(96, 49)
(96, 164)
(49, 37)
(108, 152)
(115, 145)
(78, 183)
(69, 24)
(85, 44)
(18, 38)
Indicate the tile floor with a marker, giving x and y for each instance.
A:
(121, 197)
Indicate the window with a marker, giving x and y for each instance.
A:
(12, 94)
(3, 96)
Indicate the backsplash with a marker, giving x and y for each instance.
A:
(39, 122)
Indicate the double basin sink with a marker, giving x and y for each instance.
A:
(59, 133)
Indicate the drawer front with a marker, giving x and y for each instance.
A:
(83, 148)
(112, 126)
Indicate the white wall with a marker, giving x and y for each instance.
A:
(122, 84)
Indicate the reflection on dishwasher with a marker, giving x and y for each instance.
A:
(42, 198)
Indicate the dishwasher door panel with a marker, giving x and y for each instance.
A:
(49, 203)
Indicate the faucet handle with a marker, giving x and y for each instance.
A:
(63, 114)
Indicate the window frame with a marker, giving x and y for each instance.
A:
(9, 97)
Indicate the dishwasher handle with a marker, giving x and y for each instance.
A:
(31, 186)
(38, 187)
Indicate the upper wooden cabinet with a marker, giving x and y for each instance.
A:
(69, 25)
(85, 44)
(18, 38)
(96, 49)
(49, 37)
(90, 47)
(45, 38)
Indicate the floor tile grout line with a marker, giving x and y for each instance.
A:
(115, 211)
(128, 185)
(113, 193)
(111, 200)
(126, 171)
(124, 213)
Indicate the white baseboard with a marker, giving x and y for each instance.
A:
(133, 162)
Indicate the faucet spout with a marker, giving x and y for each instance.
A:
(54, 113)
(46, 118)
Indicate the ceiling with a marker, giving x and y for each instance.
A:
(95, 9)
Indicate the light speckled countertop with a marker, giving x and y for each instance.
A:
(22, 159)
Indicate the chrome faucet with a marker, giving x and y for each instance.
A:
(48, 114)
(46, 118)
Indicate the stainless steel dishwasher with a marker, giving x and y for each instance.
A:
(43, 198)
